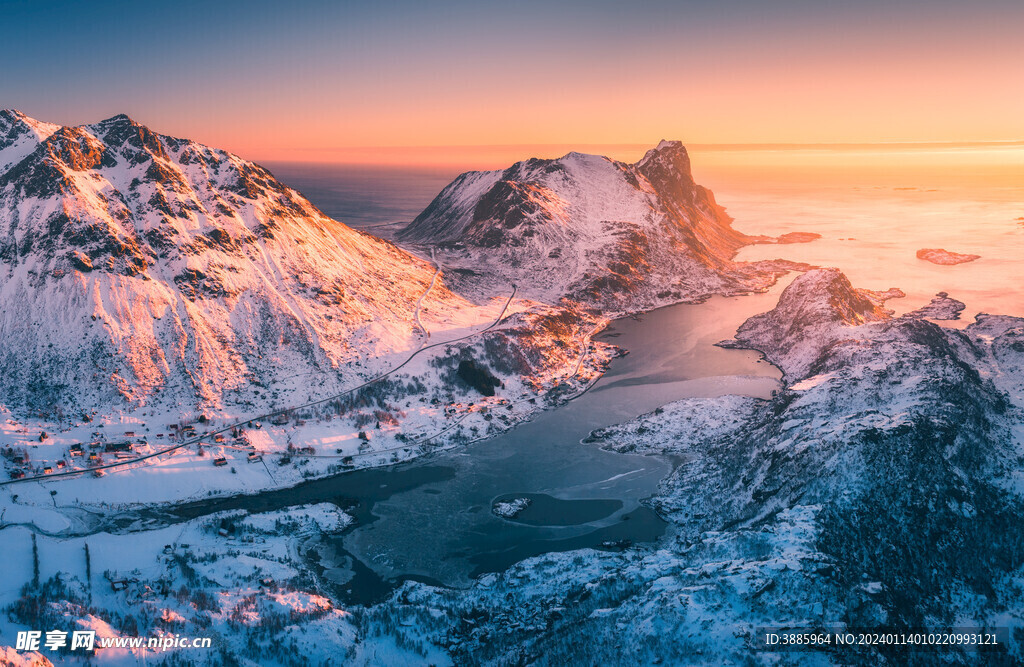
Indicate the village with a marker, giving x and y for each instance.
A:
(286, 447)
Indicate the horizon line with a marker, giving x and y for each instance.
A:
(701, 145)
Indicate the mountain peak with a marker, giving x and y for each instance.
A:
(667, 153)
(118, 120)
(669, 145)
(12, 115)
(622, 234)
(667, 167)
(192, 249)
(12, 118)
(121, 131)
(818, 308)
(19, 136)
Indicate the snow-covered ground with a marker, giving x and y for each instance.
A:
(238, 579)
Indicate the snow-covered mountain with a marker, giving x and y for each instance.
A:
(19, 136)
(132, 261)
(592, 229)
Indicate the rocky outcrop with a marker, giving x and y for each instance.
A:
(942, 307)
(812, 315)
(944, 257)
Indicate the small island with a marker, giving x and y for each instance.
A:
(510, 508)
(945, 257)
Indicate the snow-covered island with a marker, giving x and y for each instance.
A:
(508, 509)
(945, 257)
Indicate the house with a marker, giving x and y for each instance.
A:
(253, 457)
(17, 474)
(93, 456)
(220, 461)
(218, 438)
(76, 449)
(61, 464)
(47, 470)
(129, 434)
(279, 420)
(118, 447)
(118, 585)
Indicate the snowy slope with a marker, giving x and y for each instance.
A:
(19, 136)
(132, 261)
(620, 236)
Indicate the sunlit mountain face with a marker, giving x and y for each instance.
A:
(146, 262)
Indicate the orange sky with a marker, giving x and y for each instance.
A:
(330, 81)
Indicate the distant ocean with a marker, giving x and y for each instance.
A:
(364, 196)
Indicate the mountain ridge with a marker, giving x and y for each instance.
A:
(587, 228)
(139, 260)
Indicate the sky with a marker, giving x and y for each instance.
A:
(402, 81)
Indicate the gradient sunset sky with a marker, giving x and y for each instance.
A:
(317, 80)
